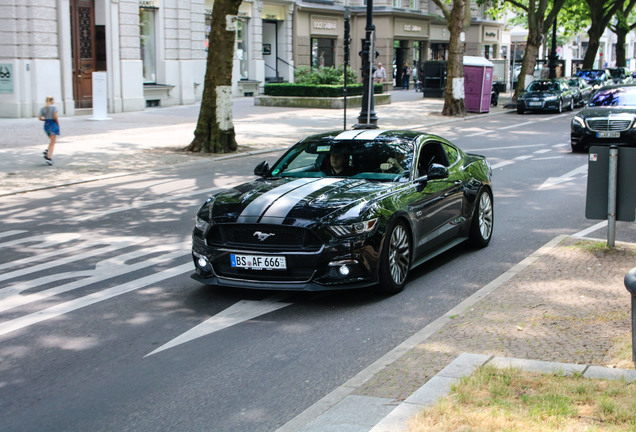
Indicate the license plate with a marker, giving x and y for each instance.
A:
(535, 103)
(259, 262)
(608, 135)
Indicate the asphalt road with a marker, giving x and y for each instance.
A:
(102, 329)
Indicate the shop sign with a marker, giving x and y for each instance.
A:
(491, 34)
(6, 78)
(324, 25)
(271, 12)
(149, 4)
(410, 28)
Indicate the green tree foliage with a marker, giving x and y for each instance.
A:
(625, 21)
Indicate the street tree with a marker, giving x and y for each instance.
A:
(540, 18)
(601, 14)
(458, 19)
(214, 132)
(625, 21)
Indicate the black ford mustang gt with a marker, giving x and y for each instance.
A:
(345, 210)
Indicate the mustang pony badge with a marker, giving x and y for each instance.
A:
(263, 236)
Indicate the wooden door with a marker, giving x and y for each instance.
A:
(83, 51)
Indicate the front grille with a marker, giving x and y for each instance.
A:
(609, 125)
(264, 237)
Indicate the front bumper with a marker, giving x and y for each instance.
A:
(583, 137)
(344, 265)
(540, 105)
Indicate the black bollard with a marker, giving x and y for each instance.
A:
(630, 284)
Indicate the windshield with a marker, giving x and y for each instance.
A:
(381, 160)
(543, 86)
(590, 74)
(616, 73)
(619, 96)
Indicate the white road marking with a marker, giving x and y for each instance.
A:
(502, 164)
(591, 229)
(242, 311)
(11, 233)
(70, 306)
(543, 151)
(523, 157)
(99, 214)
(13, 296)
(553, 181)
(115, 243)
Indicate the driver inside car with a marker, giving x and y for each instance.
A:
(339, 164)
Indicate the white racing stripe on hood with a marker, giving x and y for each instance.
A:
(277, 212)
(360, 134)
(255, 209)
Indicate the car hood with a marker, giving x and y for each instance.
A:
(607, 111)
(296, 201)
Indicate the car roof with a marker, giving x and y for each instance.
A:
(371, 135)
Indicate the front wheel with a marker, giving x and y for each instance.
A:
(571, 107)
(483, 220)
(395, 260)
(560, 107)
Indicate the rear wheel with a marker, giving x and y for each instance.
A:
(560, 107)
(571, 106)
(483, 220)
(395, 261)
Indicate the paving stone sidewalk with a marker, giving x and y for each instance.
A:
(569, 305)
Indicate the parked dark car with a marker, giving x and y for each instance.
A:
(546, 95)
(621, 75)
(608, 118)
(400, 198)
(581, 90)
(597, 78)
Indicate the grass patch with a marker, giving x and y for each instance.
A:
(621, 352)
(511, 400)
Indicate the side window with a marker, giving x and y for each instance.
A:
(452, 154)
(431, 152)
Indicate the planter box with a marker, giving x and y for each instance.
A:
(318, 102)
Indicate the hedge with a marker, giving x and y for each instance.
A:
(306, 90)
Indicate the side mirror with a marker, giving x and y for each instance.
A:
(437, 171)
(261, 169)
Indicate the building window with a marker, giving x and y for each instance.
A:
(322, 52)
(397, 3)
(415, 4)
(148, 44)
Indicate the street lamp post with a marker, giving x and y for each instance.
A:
(553, 54)
(367, 118)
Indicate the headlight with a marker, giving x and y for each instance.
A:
(354, 229)
(579, 121)
(201, 225)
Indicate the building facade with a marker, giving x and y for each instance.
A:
(153, 52)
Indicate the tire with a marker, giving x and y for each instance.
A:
(395, 260)
(577, 148)
(560, 108)
(520, 110)
(571, 107)
(482, 223)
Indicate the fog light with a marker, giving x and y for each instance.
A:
(344, 270)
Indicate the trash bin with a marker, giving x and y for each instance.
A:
(477, 83)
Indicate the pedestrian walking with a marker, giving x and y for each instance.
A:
(48, 115)
(406, 76)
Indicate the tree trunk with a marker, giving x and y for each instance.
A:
(454, 104)
(529, 62)
(592, 48)
(621, 36)
(215, 131)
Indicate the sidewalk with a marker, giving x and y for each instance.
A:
(132, 142)
(559, 310)
(566, 303)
